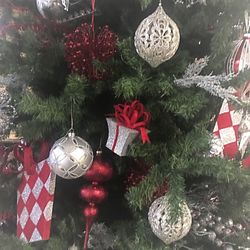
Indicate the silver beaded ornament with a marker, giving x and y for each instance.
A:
(160, 221)
(157, 38)
(70, 157)
(52, 9)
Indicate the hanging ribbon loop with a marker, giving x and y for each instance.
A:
(133, 116)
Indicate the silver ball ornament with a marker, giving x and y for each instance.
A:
(160, 221)
(52, 9)
(157, 38)
(70, 157)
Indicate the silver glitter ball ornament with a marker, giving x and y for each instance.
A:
(157, 38)
(160, 221)
(70, 157)
(52, 9)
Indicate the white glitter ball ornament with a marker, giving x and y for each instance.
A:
(160, 221)
(70, 157)
(52, 9)
(157, 38)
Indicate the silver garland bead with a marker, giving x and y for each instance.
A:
(218, 219)
(218, 242)
(212, 236)
(228, 247)
(229, 223)
(238, 226)
(219, 228)
(209, 217)
(211, 223)
(196, 226)
(227, 231)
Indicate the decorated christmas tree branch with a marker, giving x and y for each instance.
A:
(210, 83)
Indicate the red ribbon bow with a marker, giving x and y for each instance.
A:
(133, 116)
(24, 154)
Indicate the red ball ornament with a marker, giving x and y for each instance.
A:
(90, 212)
(100, 171)
(83, 48)
(93, 194)
(239, 59)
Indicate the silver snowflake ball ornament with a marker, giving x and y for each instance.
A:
(161, 224)
(70, 157)
(52, 9)
(157, 38)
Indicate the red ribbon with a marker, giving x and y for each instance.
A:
(133, 116)
(26, 156)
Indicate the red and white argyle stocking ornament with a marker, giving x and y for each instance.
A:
(35, 197)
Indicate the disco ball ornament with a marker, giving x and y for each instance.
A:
(52, 9)
(161, 224)
(239, 59)
(157, 38)
(70, 156)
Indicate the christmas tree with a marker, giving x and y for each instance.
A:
(78, 69)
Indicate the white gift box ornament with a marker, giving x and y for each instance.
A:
(157, 38)
(119, 137)
(129, 121)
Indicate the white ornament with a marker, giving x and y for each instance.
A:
(160, 221)
(157, 38)
(70, 157)
(52, 8)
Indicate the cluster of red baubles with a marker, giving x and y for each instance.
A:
(138, 173)
(84, 48)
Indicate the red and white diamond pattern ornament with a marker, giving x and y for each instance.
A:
(35, 197)
(226, 129)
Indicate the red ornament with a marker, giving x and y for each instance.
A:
(100, 171)
(239, 59)
(138, 173)
(84, 48)
(90, 212)
(94, 194)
